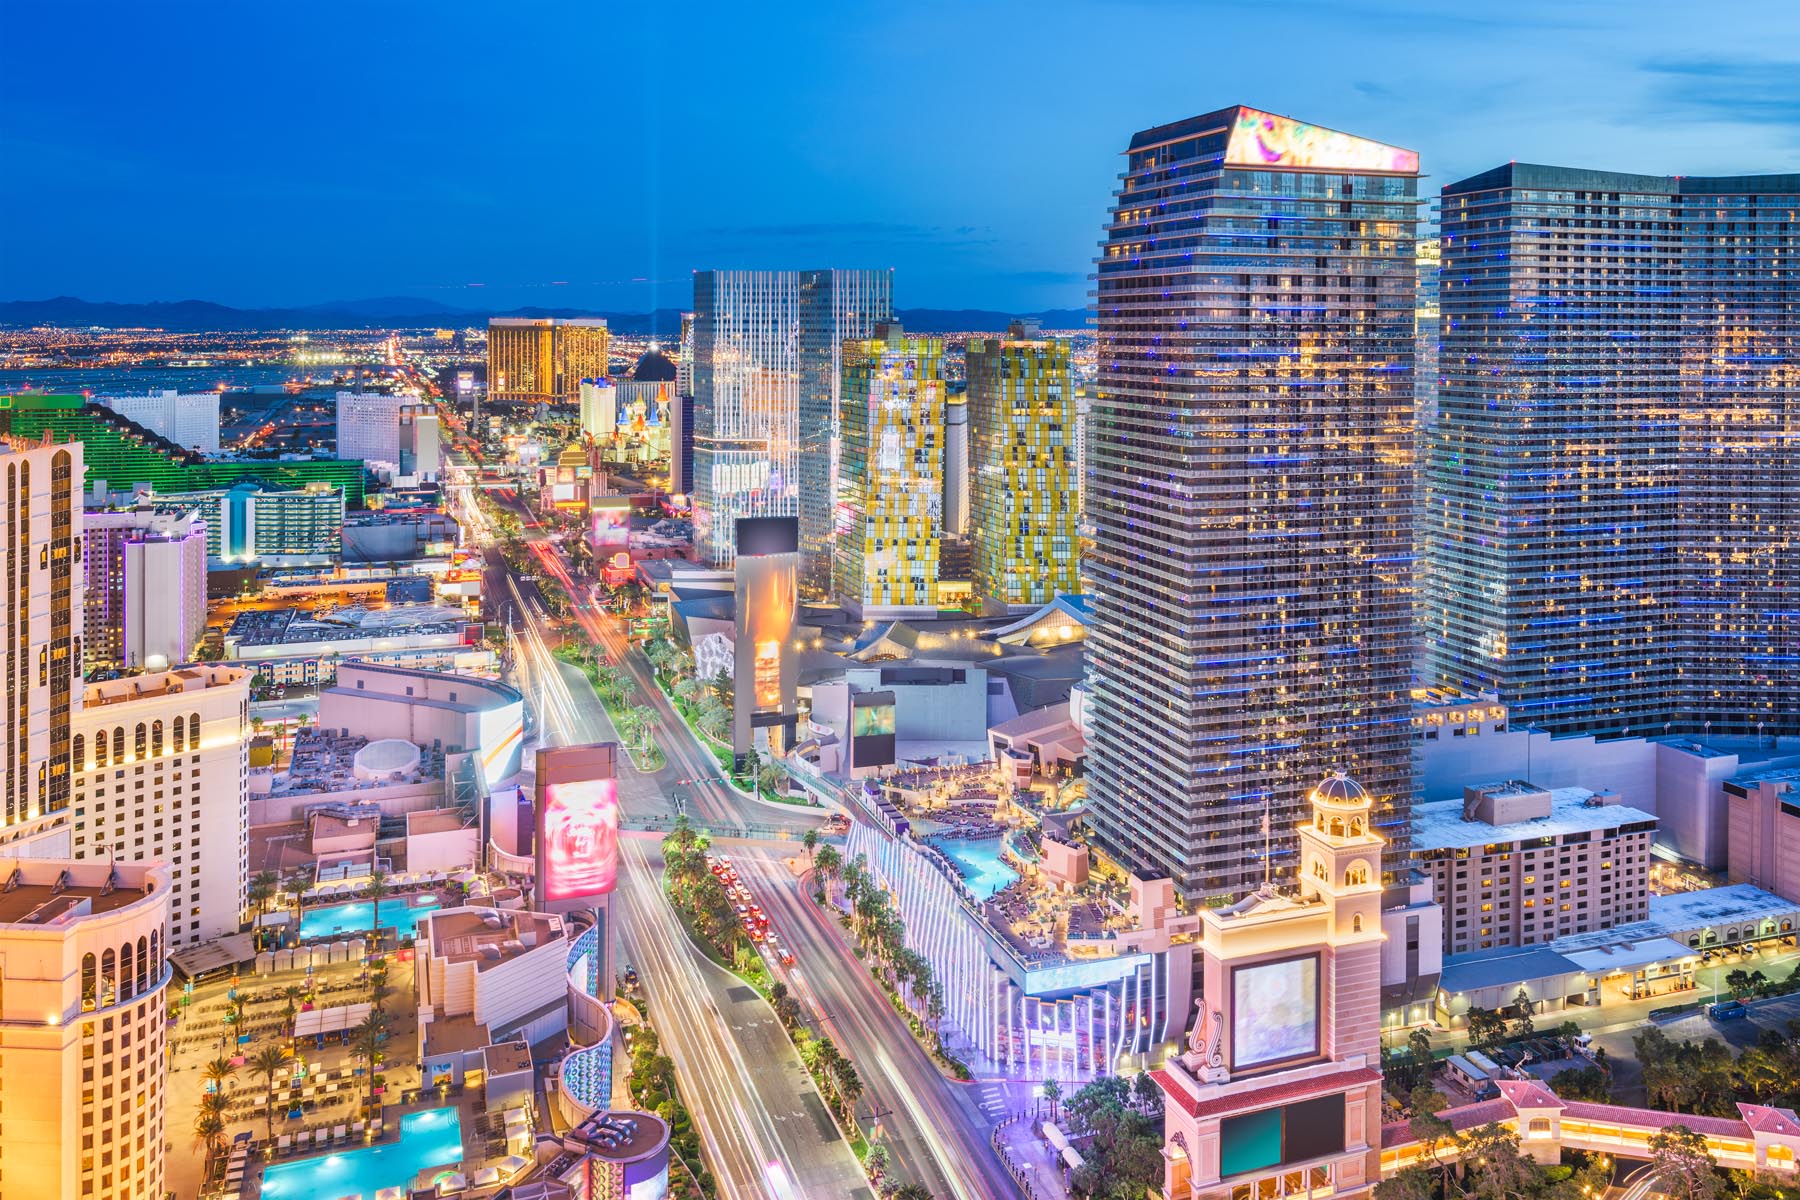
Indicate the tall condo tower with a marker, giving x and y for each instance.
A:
(1250, 471)
(746, 403)
(1612, 489)
(835, 307)
(886, 559)
(1025, 489)
(41, 584)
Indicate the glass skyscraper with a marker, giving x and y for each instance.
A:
(767, 355)
(1250, 492)
(835, 307)
(1612, 484)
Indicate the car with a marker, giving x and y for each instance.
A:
(787, 958)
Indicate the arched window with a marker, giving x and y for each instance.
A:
(156, 738)
(143, 966)
(88, 981)
(1539, 1127)
(78, 752)
(141, 743)
(156, 955)
(1356, 826)
(100, 748)
(177, 734)
(118, 744)
(127, 973)
(1337, 827)
(194, 730)
(1357, 875)
(1356, 923)
(109, 978)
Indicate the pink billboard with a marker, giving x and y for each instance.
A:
(579, 848)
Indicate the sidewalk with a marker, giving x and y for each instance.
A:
(1034, 1165)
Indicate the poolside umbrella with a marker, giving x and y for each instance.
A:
(512, 1164)
(456, 1181)
(487, 1177)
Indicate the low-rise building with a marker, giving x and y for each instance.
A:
(161, 765)
(1763, 839)
(83, 1081)
(290, 645)
(487, 975)
(1514, 864)
(444, 711)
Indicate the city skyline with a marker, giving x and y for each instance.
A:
(393, 169)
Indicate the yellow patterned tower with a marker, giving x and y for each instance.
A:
(1279, 1092)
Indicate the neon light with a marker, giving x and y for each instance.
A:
(1261, 139)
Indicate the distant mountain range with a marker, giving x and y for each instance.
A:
(407, 312)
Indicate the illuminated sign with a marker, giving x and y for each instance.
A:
(1275, 1012)
(580, 850)
(768, 675)
(1261, 139)
(872, 729)
(612, 523)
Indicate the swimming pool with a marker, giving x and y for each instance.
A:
(980, 863)
(353, 917)
(432, 1138)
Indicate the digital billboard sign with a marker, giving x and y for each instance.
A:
(872, 729)
(1275, 1013)
(1274, 1137)
(581, 839)
(612, 523)
(1261, 139)
(577, 827)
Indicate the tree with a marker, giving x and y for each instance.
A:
(378, 888)
(810, 839)
(218, 1071)
(365, 1046)
(261, 890)
(911, 1191)
(1487, 1028)
(1738, 980)
(1409, 1183)
(1432, 1132)
(270, 1061)
(1419, 1043)
(1582, 1083)
(1052, 1093)
(1684, 1167)
(829, 863)
(1522, 1025)
(1497, 1169)
(877, 1161)
(1145, 1092)
(209, 1131)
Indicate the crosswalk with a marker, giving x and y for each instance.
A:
(993, 1102)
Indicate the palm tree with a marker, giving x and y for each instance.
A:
(378, 888)
(269, 1062)
(261, 890)
(810, 839)
(1052, 1093)
(291, 995)
(209, 1130)
(365, 1046)
(218, 1071)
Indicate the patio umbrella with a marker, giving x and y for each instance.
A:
(487, 1177)
(512, 1164)
(456, 1181)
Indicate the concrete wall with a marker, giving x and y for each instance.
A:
(449, 850)
(394, 799)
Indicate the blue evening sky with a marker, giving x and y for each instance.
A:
(594, 152)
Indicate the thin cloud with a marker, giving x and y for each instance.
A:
(1753, 90)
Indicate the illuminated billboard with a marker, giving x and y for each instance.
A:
(1275, 1013)
(1261, 139)
(872, 730)
(768, 674)
(581, 839)
(577, 802)
(612, 523)
(765, 599)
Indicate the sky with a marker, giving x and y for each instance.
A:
(594, 153)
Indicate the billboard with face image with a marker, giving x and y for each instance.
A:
(577, 826)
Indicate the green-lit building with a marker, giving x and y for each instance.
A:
(120, 454)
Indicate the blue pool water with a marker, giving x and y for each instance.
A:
(353, 917)
(432, 1138)
(980, 863)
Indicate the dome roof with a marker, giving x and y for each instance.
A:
(1340, 790)
(654, 367)
(387, 758)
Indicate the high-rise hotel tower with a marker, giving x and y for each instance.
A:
(1250, 491)
(768, 349)
(1612, 486)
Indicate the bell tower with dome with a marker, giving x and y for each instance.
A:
(1279, 1091)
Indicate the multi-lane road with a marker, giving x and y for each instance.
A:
(765, 1130)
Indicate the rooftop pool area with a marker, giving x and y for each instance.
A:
(334, 919)
(979, 861)
(432, 1138)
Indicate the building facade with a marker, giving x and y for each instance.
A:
(84, 1080)
(253, 522)
(162, 772)
(1514, 864)
(188, 419)
(1610, 482)
(1024, 485)
(368, 425)
(835, 307)
(543, 360)
(885, 561)
(417, 444)
(121, 456)
(146, 586)
(1250, 491)
(42, 622)
(746, 403)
